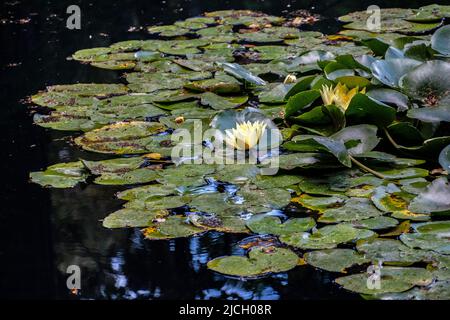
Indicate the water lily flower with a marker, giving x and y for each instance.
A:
(339, 95)
(245, 135)
(290, 78)
(247, 129)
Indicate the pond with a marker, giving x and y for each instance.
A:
(45, 230)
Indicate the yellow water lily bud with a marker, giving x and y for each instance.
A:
(290, 78)
(340, 95)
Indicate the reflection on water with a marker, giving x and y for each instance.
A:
(44, 231)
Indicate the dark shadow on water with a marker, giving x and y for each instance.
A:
(43, 231)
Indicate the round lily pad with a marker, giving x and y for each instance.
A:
(334, 260)
(260, 261)
(272, 225)
(392, 279)
(327, 237)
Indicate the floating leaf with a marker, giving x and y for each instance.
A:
(334, 260)
(61, 175)
(433, 199)
(428, 83)
(240, 72)
(392, 279)
(327, 237)
(170, 228)
(261, 261)
(440, 40)
(126, 218)
(263, 224)
(353, 209)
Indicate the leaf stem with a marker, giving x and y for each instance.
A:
(391, 140)
(365, 168)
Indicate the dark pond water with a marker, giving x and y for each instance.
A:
(43, 231)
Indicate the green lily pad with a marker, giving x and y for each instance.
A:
(439, 290)
(222, 84)
(241, 73)
(148, 191)
(359, 138)
(375, 223)
(435, 227)
(444, 158)
(122, 138)
(221, 103)
(229, 224)
(278, 181)
(171, 228)
(168, 30)
(265, 224)
(299, 101)
(428, 83)
(430, 241)
(215, 203)
(264, 200)
(363, 109)
(390, 97)
(260, 261)
(130, 218)
(391, 71)
(433, 199)
(392, 279)
(327, 237)
(61, 175)
(432, 12)
(93, 54)
(334, 260)
(440, 41)
(391, 252)
(392, 20)
(353, 209)
(297, 160)
(310, 143)
(431, 114)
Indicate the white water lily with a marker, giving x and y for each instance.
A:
(245, 135)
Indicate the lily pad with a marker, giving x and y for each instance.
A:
(428, 83)
(327, 237)
(392, 279)
(122, 138)
(434, 199)
(170, 228)
(260, 261)
(265, 224)
(61, 175)
(126, 218)
(353, 209)
(334, 260)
